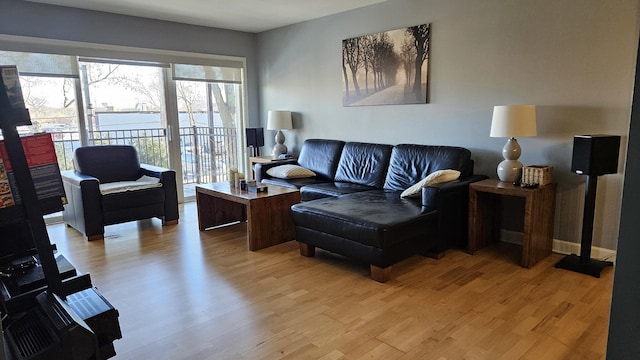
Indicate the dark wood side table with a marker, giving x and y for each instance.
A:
(484, 217)
(267, 159)
(261, 159)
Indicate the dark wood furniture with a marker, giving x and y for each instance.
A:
(261, 159)
(484, 217)
(268, 215)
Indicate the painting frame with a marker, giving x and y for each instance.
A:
(387, 68)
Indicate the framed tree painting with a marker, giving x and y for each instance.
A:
(387, 68)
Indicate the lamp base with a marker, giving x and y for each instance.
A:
(509, 170)
(279, 149)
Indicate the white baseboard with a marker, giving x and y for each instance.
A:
(561, 246)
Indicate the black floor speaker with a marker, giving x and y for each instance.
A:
(255, 139)
(593, 155)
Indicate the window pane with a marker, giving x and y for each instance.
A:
(52, 106)
(207, 73)
(125, 105)
(41, 64)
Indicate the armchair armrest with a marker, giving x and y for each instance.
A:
(84, 208)
(158, 172)
(451, 200)
(168, 179)
(76, 178)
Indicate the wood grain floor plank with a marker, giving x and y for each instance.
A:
(186, 294)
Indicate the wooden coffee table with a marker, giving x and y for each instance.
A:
(268, 215)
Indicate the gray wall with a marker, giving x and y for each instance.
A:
(23, 18)
(574, 59)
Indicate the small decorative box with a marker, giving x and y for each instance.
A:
(537, 174)
(258, 189)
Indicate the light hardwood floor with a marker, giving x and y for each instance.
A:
(186, 294)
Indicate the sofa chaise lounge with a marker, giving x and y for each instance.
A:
(353, 205)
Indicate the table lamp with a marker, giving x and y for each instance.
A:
(279, 120)
(511, 121)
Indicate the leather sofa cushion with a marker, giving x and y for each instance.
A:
(319, 191)
(375, 218)
(321, 156)
(411, 163)
(108, 163)
(294, 183)
(364, 164)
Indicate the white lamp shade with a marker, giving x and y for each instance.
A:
(513, 121)
(278, 120)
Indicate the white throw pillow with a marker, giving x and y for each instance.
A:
(289, 171)
(435, 177)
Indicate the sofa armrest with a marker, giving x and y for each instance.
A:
(451, 200)
(168, 179)
(260, 169)
(431, 194)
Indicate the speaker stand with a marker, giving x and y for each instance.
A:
(254, 150)
(584, 263)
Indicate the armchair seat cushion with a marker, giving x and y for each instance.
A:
(145, 182)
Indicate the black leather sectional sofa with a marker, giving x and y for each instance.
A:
(353, 205)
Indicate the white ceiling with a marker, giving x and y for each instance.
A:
(242, 15)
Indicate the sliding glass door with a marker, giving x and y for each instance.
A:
(209, 102)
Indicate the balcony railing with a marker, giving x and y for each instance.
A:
(207, 153)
